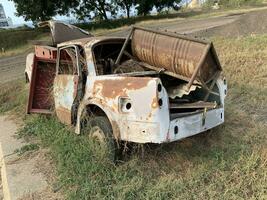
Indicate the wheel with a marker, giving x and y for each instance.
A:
(99, 131)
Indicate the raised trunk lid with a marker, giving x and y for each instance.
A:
(62, 32)
(179, 55)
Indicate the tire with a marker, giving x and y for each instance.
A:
(99, 131)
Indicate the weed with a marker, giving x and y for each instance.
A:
(27, 148)
(13, 97)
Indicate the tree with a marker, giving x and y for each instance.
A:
(126, 5)
(35, 10)
(161, 4)
(144, 6)
(41, 10)
(95, 9)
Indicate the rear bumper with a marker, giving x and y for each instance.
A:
(191, 125)
(177, 129)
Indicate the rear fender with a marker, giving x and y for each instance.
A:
(109, 114)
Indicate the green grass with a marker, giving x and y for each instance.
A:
(10, 39)
(220, 163)
(15, 45)
(27, 148)
(228, 162)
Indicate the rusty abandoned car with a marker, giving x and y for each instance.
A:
(150, 87)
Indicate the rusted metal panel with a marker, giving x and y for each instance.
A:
(112, 93)
(40, 96)
(65, 91)
(41, 77)
(64, 115)
(45, 52)
(62, 32)
(176, 54)
(112, 88)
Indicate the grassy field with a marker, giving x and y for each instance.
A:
(228, 162)
(14, 38)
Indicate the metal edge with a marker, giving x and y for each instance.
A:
(171, 34)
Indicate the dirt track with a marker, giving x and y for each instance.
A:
(13, 67)
(187, 26)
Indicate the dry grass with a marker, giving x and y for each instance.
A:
(230, 11)
(24, 47)
(13, 97)
(245, 62)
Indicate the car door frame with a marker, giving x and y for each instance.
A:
(67, 90)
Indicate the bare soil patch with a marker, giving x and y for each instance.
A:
(248, 24)
(46, 166)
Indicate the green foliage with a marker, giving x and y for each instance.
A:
(161, 4)
(13, 38)
(125, 5)
(144, 7)
(41, 10)
(95, 9)
(27, 148)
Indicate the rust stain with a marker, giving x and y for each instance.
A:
(155, 103)
(116, 130)
(75, 91)
(63, 114)
(112, 88)
(63, 79)
(149, 116)
(178, 55)
(46, 52)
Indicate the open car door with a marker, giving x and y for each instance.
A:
(42, 74)
(67, 84)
